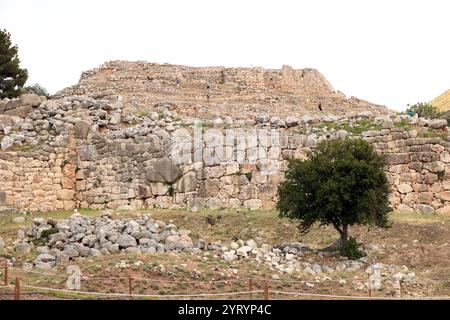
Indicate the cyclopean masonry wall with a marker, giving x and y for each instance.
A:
(139, 172)
(85, 151)
(39, 181)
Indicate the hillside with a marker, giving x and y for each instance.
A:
(443, 101)
(206, 92)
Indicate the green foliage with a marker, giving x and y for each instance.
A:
(45, 236)
(171, 190)
(425, 110)
(446, 115)
(342, 183)
(12, 77)
(404, 124)
(249, 176)
(355, 128)
(352, 249)
(37, 89)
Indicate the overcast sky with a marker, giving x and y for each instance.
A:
(390, 52)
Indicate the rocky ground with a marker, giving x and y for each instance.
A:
(220, 251)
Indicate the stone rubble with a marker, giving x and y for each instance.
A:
(57, 242)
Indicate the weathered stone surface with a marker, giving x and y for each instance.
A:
(163, 170)
(88, 153)
(81, 129)
(23, 248)
(126, 241)
(425, 209)
(30, 99)
(7, 142)
(437, 123)
(188, 182)
(209, 187)
(21, 111)
(65, 194)
(398, 158)
(404, 188)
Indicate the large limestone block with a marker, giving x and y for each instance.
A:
(398, 158)
(21, 111)
(88, 153)
(163, 170)
(30, 99)
(188, 182)
(65, 194)
(404, 188)
(81, 129)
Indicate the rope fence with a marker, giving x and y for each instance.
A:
(129, 286)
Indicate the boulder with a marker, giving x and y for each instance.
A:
(21, 111)
(7, 142)
(30, 99)
(404, 188)
(172, 240)
(437, 123)
(243, 251)
(163, 170)
(185, 241)
(425, 209)
(229, 256)
(23, 248)
(291, 121)
(45, 257)
(126, 241)
(188, 182)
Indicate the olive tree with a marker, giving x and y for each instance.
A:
(342, 183)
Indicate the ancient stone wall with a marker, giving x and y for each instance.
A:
(42, 180)
(206, 92)
(90, 151)
(118, 173)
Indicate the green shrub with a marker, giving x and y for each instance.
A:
(37, 89)
(352, 249)
(425, 110)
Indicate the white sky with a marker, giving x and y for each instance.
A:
(390, 52)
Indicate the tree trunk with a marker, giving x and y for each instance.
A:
(344, 234)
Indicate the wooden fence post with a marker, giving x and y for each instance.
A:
(369, 285)
(266, 290)
(130, 287)
(17, 289)
(250, 288)
(6, 273)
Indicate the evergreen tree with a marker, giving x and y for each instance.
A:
(12, 77)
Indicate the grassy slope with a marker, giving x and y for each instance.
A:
(443, 101)
(420, 242)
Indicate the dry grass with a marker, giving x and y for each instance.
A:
(416, 241)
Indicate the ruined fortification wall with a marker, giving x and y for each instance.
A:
(206, 92)
(141, 170)
(42, 180)
(119, 173)
(90, 151)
